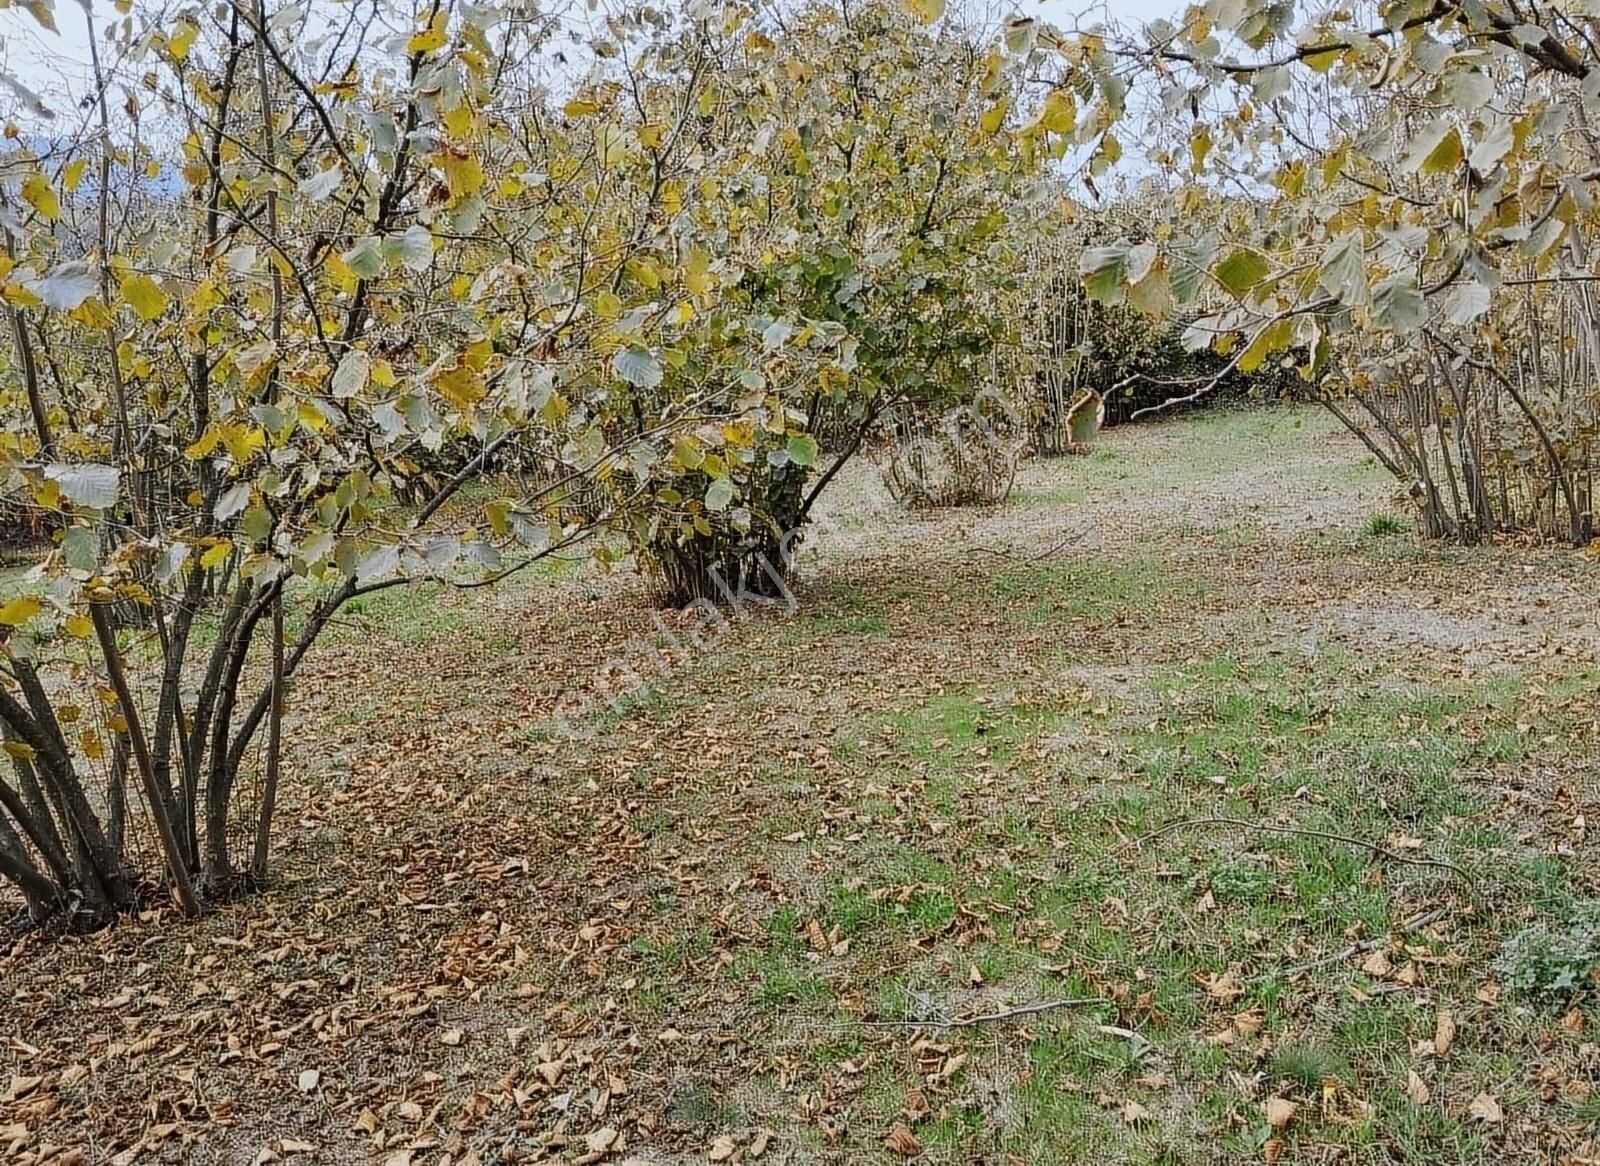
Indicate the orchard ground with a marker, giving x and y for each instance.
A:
(745, 917)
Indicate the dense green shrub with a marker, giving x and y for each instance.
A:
(1120, 343)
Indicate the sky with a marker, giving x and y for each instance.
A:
(56, 65)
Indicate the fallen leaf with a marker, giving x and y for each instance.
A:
(1224, 987)
(1133, 1112)
(1377, 965)
(902, 1141)
(722, 1148)
(604, 1139)
(1444, 1033)
(1416, 1088)
(1280, 1111)
(1486, 1108)
(308, 1080)
(819, 941)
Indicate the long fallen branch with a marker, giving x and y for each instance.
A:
(1354, 949)
(993, 1017)
(1299, 831)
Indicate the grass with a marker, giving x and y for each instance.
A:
(931, 795)
(1236, 734)
(1030, 891)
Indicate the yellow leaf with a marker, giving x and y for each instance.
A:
(580, 107)
(310, 416)
(204, 444)
(697, 274)
(498, 513)
(216, 555)
(41, 196)
(478, 353)
(72, 175)
(21, 297)
(19, 750)
(143, 295)
(20, 610)
(459, 384)
(458, 121)
(995, 116)
(339, 273)
(182, 39)
(926, 11)
(243, 441)
(79, 627)
(1325, 60)
(462, 174)
(93, 747)
(1058, 115)
(430, 38)
(643, 270)
(1445, 156)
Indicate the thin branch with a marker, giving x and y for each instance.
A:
(993, 1017)
(1298, 831)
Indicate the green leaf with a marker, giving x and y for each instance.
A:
(412, 248)
(1104, 270)
(90, 484)
(1466, 302)
(1469, 89)
(687, 452)
(1343, 271)
(1188, 274)
(67, 285)
(81, 549)
(1397, 304)
(719, 495)
(1494, 145)
(355, 367)
(802, 449)
(1241, 271)
(365, 259)
(637, 367)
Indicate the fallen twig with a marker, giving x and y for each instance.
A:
(1300, 831)
(992, 1017)
(1344, 953)
(1074, 537)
